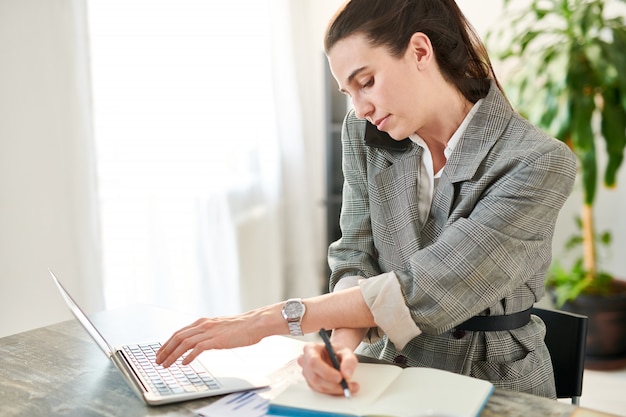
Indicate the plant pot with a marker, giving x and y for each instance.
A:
(606, 328)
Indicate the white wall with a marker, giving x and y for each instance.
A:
(44, 135)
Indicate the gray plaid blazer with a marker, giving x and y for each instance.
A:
(484, 249)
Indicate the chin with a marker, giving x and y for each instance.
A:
(398, 136)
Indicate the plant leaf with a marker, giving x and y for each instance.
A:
(613, 127)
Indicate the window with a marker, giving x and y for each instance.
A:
(183, 110)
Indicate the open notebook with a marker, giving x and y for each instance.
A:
(390, 391)
(227, 373)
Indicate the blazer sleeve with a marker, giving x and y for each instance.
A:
(354, 254)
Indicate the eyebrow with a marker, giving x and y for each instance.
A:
(352, 75)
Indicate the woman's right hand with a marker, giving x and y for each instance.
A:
(319, 372)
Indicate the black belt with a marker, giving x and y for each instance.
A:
(493, 323)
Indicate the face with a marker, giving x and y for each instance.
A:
(389, 92)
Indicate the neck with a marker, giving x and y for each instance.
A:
(447, 117)
(448, 112)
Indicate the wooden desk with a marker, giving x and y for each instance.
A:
(59, 371)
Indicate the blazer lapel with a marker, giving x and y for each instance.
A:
(485, 128)
(398, 190)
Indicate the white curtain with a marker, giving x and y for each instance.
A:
(298, 79)
(205, 199)
(48, 201)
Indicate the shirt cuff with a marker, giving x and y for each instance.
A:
(383, 295)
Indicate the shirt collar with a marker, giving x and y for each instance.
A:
(456, 136)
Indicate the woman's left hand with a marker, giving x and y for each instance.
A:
(209, 333)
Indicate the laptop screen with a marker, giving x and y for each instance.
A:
(82, 318)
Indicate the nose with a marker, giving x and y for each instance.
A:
(362, 106)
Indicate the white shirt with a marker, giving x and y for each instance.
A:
(427, 178)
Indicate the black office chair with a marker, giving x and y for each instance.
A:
(565, 337)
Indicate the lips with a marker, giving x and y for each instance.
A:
(380, 122)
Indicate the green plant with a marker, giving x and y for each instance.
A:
(569, 78)
(568, 283)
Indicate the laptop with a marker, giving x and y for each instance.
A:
(157, 385)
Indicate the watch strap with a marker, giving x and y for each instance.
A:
(295, 329)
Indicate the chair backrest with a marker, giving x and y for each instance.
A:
(565, 337)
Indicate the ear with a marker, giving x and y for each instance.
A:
(421, 50)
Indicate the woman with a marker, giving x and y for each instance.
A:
(449, 206)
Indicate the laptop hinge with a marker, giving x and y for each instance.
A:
(121, 362)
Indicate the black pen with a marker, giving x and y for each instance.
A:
(335, 361)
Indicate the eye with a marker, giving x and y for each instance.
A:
(368, 83)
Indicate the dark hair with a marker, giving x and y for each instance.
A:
(460, 54)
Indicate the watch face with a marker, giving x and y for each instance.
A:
(293, 309)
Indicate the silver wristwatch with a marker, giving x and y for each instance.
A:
(293, 311)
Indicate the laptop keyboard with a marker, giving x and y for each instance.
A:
(177, 379)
